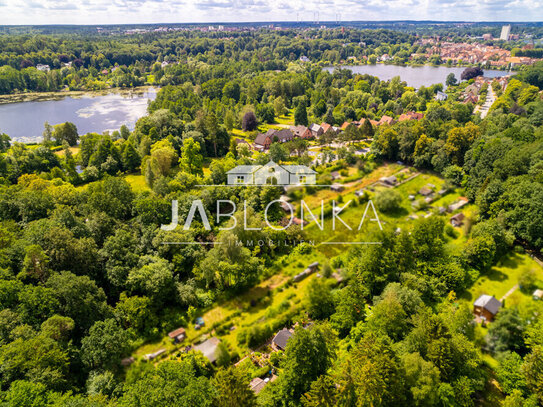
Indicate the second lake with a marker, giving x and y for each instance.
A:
(415, 76)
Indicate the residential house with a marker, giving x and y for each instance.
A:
(177, 335)
(262, 142)
(326, 127)
(279, 341)
(271, 173)
(473, 99)
(486, 307)
(242, 174)
(457, 220)
(209, 348)
(281, 136)
(344, 125)
(386, 120)
(301, 132)
(441, 96)
(410, 116)
(316, 130)
(335, 175)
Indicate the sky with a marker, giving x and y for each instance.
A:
(96, 12)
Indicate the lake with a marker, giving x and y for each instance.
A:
(415, 76)
(23, 121)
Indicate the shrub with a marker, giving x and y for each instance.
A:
(388, 200)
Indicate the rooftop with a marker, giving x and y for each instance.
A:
(489, 303)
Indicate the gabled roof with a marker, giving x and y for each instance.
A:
(282, 134)
(489, 303)
(326, 127)
(299, 169)
(281, 338)
(315, 127)
(298, 130)
(244, 169)
(261, 139)
(386, 119)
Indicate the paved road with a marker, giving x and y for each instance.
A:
(490, 99)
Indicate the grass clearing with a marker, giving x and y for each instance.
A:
(502, 277)
(137, 182)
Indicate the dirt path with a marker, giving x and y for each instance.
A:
(508, 293)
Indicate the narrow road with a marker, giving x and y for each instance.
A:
(490, 99)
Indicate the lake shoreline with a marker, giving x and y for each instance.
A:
(413, 65)
(414, 76)
(59, 95)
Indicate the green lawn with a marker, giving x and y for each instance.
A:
(501, 278)
(137, 182)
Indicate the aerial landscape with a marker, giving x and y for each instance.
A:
(227, 204)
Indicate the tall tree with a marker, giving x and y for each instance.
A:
(191, 160)
(233, 389)
(300, 115)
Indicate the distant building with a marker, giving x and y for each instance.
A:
(308, 271)
(301, 132)
(316, 130)
(43, 68)
(209, 348)
(326, 127)
(506, 31)
(441, 96)
(390, 181)
(425, 191)
(257, 384)
(486, 307)
(263, 141)
(487, 37)
(458, 204)
(386, 120)
(177, 335)
(303, 58)
(457, 220)
(279, 341)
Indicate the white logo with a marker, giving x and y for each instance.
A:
(271, 174)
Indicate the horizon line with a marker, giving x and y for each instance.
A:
(305, 22)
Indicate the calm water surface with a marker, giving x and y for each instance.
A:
(415, 76)
(90, 113)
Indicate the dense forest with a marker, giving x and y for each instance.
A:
(86, 281)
